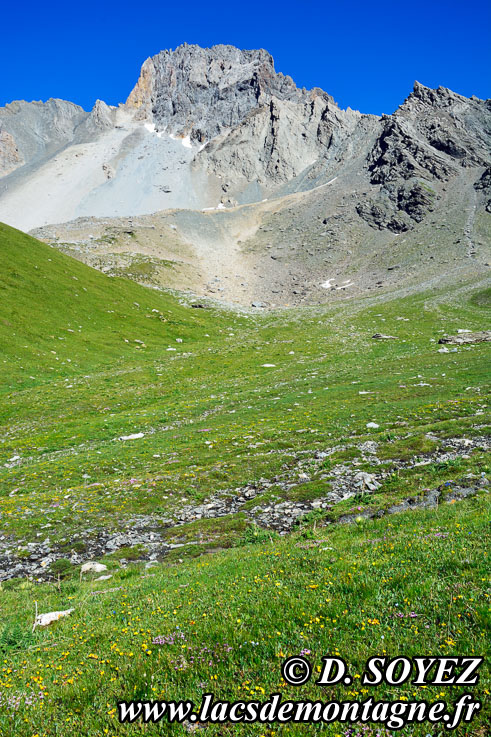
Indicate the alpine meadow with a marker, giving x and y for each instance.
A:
(244, 401)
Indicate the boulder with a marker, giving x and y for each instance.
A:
(93, 567)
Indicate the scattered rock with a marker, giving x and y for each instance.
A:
(135, 436)
(366, 481)
(483, 336)
(108, 171)
(44, 620)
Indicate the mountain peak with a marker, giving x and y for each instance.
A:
(201, 91)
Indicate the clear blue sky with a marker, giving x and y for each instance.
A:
(367, 55)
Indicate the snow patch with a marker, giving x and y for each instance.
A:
(186, 141)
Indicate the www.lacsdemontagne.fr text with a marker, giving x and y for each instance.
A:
(392, 714)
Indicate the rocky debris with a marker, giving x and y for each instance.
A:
(428, 500)
(380, 214)
(381, 336)
(446, 350)
(366, 481)
(108, 171)
(483, 336)
(149, 535)
(484, 181)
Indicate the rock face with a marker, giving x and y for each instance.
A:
(279, 140)
(483, 185)
(39, 129)
(420, 148)
(200, 92)
(101, 118)
(10, 158)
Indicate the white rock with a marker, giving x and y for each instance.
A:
(135, 436)
(366, 481)
(43, 620)
(268, 365)
(103, 578)
(93, 567)
(373, 425)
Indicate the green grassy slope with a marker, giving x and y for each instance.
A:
(65, 421)
(410, 585)
(214, 417)
(59, 317)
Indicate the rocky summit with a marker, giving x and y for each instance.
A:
(252, 189)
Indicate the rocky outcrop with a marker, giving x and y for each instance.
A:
(40, 129)
(10, 158)
(100, 118)
(483, 185)
(380, 214)
(419, 149)
(484, 181)
(266, 503)
(451, 124)
(200, 92)
(278, 141)
(398, 155)
(466, 338)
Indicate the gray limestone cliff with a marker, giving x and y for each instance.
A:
(37, 129)
(200, 92)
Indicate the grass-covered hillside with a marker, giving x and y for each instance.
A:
(206, 456)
